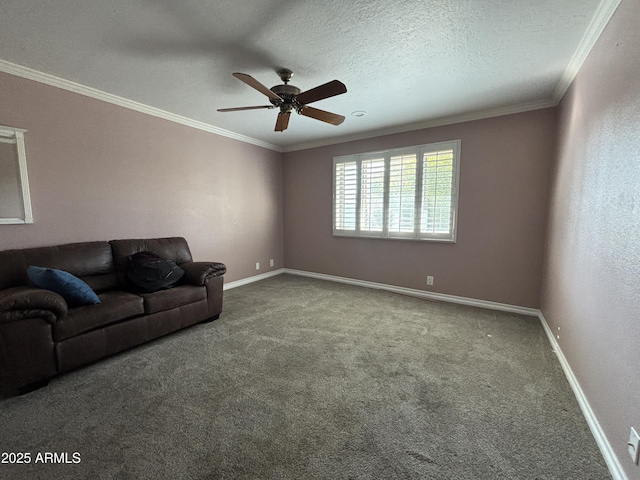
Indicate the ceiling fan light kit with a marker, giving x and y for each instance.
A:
(288, 98)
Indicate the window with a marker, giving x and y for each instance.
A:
(409, 193)
(15, 202)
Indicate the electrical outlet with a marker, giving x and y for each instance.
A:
(257, 265)
(634, 445)
(271, 262)
(429, 280)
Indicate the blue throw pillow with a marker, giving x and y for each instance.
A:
(73, 290)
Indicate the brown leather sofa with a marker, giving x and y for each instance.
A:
(41, 336)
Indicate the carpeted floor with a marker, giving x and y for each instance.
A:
(307, 379)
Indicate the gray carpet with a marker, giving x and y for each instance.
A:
(307, 379)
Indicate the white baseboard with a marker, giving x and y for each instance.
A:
(608, 454)
(420, 293)
(256, 278)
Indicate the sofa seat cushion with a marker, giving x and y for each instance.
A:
(172, 298)
(114, 307)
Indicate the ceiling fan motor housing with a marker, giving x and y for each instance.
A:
(288, 94)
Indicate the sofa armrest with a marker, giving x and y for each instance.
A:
(197, 273)
(17, 303)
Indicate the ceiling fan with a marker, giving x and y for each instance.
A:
(289, 98)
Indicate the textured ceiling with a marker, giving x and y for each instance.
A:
(404, 62)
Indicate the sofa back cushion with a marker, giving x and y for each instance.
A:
(173, 248)
(90, 261)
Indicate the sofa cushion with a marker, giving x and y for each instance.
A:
(80, 259)
(102, 283)
(175, 249)
(172, 298)
(113, 307)
(172, 248)
(71, 288)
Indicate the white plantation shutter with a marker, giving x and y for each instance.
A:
(345, 195)
(372, 195)
(437, 181)
(402, 193)
(408, 193)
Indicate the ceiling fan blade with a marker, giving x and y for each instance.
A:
(332, 118)
(327, 90)
(244, 108)
(252, 82)
(282, 122)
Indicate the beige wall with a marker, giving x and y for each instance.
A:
(99, 171)
(505, 167)
(591, 287)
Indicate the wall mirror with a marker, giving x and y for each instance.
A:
(15, 202)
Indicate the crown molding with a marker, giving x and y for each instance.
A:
(47, 79)
(437, 122)
(600, 19)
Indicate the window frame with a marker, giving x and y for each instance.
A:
(419, 151)
(16, 136)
